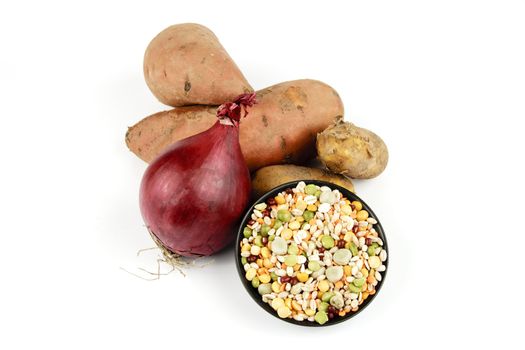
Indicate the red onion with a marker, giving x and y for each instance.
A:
(193, 195)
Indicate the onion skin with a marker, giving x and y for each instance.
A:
(193, 195)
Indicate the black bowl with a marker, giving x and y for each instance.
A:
(253, 291)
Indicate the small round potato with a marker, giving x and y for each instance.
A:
(352, 151)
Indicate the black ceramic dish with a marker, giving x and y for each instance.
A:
(253, 291)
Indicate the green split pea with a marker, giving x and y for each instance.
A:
(327, 242)
(284, 215)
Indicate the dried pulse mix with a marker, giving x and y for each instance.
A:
(312, 254)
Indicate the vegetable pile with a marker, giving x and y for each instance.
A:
(312, 254)
(197, 185)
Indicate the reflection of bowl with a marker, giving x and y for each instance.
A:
(253, 291)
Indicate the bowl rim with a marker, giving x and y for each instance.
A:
(253, 291)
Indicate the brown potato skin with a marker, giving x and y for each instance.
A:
(267, 178)
(186, 65)
(280, 128)
(352, 151)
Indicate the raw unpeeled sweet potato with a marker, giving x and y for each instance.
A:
(281, 128)
(148, 138)
(352, 151)
(270, 177)
(186, 65)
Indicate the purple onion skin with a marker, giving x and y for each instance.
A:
(193, 196)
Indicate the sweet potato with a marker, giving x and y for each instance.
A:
(153, 134)
(270, 177)
(280, 128)
(352, 151)
(186, 65)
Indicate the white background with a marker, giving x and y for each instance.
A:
(443, 82)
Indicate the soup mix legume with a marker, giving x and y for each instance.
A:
(312, 254)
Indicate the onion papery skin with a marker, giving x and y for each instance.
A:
(193, 195)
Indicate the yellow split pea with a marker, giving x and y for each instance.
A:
(265, 278)
(302, 276)
(277, 303)
(287, 234)
(362, 215)
(284, 312)
(323, 286)
(280, 200)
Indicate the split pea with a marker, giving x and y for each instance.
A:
(302, 277)
(287, 233)
(362, 215)
(312, 208)
(357, 205)
(250, 274)
(346, 209)
(310, 189)
(327, 242)
(280, 200)
(284, 312)
(321, 317)
(295, 225)
(323, 286)
(310, 312)
(265, 278)
(265, 252)
(277, 303)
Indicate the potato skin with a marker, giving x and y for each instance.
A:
(267, 178)
(186, 65)
(280, 128)
(352, 151)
